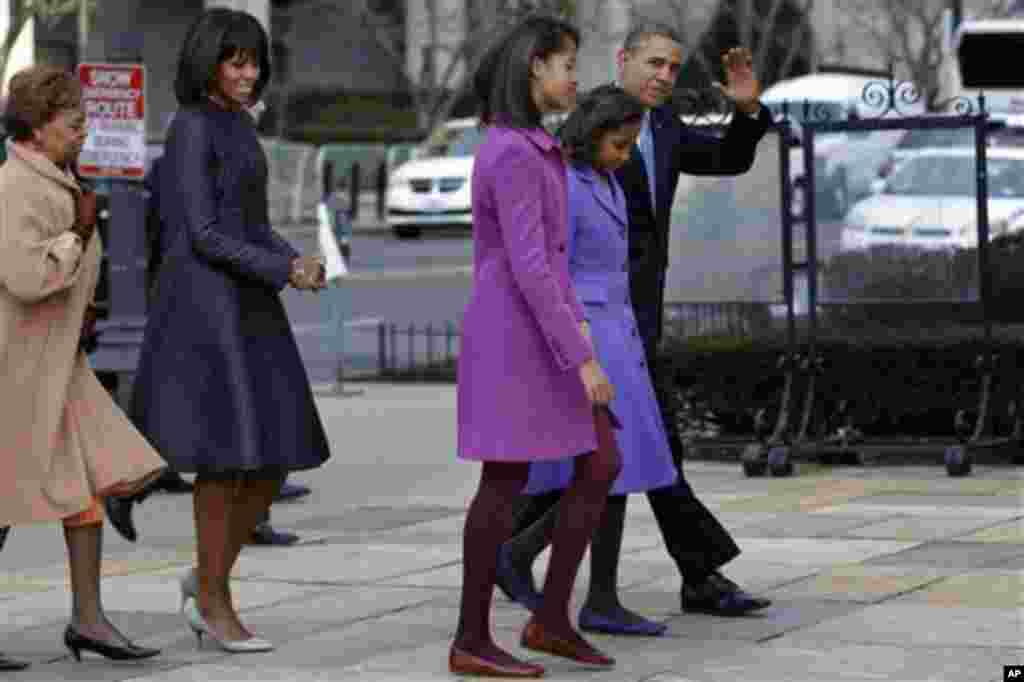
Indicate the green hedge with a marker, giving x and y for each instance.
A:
(903, 275)
(908, 382)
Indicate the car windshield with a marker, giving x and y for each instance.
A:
(955, 176)
(936, 137)
(450, 142)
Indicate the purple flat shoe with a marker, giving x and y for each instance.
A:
(595, 622)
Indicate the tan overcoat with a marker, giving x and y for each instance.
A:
(63, 439)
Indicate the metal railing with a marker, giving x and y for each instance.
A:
(431, 350)
(411, 351)
(733, 318)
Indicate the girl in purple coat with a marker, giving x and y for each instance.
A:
(599, 137)
(529, 386)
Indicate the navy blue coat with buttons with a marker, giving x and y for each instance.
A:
(220, 386)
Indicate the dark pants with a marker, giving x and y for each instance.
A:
(694, 538)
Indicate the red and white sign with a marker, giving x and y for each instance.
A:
(114, 99)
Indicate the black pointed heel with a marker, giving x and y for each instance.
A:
(10, 664)
(77, 643)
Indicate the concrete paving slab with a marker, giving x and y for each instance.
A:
(637, 659)
(990, 588)
(898, 481)
(924, 508)
(793, 524)
(227, 672)
(818, 551)
(861, 583)
(783, 616)
(753, 574)
(818, 493)
(1010, 503)
(339, 564)
(44, 644)
(921, 529)
(809, 494)
(371, 519)
(956, 555)
(447, 577)
(911, 625)
(1010, 532)
(801, 659)
(338, 648)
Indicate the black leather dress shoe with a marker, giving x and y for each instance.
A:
(9, 664)
(172, 482)
(264, 534)
(720, 596)
(291, 491)
(119, 514)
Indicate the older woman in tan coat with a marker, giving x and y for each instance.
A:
(65, 443)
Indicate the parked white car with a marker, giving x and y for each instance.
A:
(433, 189)
(929, 202)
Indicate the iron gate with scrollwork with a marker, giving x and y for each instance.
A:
(897, 272)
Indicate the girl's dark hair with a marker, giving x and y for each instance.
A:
(217, 36)
(502, 81)
(599, 111)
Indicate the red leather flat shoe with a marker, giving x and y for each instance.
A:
(536, 638)
(464, 663)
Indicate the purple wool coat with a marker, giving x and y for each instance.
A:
(598, 264)
(520, 397)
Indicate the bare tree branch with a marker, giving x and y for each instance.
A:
(796, 40)
(907, 33)
(758, 27)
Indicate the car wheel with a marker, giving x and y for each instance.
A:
(407, 232)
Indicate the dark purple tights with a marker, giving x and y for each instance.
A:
(490, 521)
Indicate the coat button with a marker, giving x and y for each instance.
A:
(561, 248)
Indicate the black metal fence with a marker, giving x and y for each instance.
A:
(416, 352)
(410, 351)
(750, 319)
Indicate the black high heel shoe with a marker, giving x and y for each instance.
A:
(119, 513)
(10, 664)
(77, 643)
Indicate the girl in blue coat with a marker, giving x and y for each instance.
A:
(599, 137)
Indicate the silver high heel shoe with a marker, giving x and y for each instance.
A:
(200, 627)
(189, 588)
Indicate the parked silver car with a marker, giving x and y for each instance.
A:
(930, 202)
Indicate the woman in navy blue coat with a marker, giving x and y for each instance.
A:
(221, 390)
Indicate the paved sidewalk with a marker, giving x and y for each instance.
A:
(878, 573)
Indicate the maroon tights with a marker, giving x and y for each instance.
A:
(490, 521)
